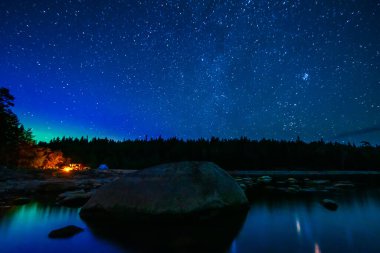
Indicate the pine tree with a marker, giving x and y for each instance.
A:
(12, 133)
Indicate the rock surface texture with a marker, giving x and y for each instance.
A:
(166, 190)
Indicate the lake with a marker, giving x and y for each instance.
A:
(288, 223)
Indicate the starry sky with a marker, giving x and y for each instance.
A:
(190, 69)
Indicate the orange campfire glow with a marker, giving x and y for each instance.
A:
(74, 166)
(67, 169)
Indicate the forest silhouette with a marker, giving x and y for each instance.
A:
(235, 154)
(18, 149)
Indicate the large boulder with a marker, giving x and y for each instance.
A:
(169, 190)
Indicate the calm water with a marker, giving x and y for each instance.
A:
(281, 224)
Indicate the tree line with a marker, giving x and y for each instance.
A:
(18, 149)
(235, 154)
(12, 133)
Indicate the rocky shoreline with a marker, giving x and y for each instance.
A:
(71, 189)
(75, 188)
(293, 185)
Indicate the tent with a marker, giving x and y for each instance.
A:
(103, 167)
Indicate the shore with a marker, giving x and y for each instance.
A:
(303, 173)
(74, 188)
(20, 186)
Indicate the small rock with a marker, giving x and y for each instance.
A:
(293, 189)
(319, 182)
(292, 180)
(309, 190)
(329, 204)
(264, 179)
(65, 232)
(344, 185)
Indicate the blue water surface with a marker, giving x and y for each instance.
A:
(304, 225)
(26, 228)
(273, 224)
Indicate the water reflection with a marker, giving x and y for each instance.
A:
(25, 229)
(302, 224)
(298, 226)
(316, 248)
(215, 237)
(273, 224)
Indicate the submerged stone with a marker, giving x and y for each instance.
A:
(329, 204)
(264, 179)
(65, 232)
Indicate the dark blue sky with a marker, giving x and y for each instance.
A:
(255, 68)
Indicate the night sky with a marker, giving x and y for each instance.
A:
(190, 69)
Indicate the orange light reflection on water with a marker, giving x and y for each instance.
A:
(316, 248)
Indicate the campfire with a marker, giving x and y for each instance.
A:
(74, 167)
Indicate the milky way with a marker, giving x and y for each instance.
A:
(126, 69)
